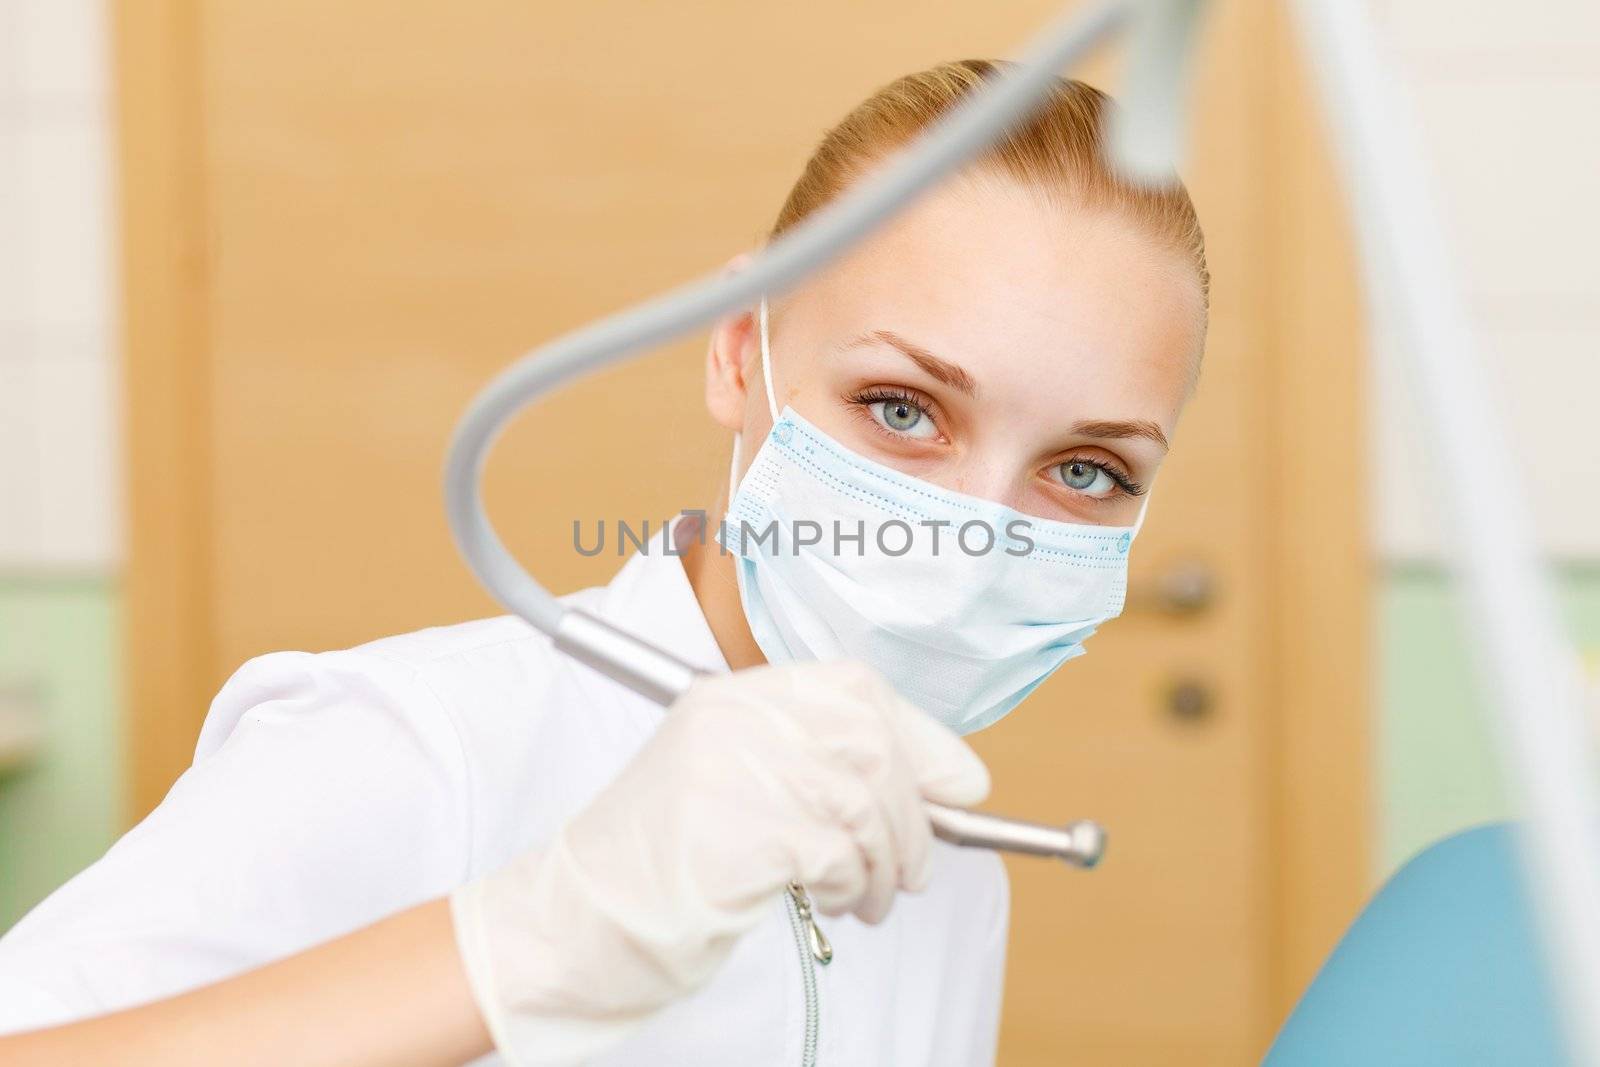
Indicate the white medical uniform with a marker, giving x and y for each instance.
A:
(331, 790)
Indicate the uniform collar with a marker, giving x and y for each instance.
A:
(651, 597)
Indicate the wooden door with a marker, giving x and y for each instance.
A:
(342, 219)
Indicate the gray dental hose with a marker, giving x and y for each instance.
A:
(1161, 29)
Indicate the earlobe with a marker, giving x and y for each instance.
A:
(728, 356)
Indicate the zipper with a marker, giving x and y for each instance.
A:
(814, 948)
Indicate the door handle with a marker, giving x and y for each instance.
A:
(1183, 589)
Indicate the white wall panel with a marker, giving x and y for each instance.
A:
(1506, 97)
(1548, 377)
(1531, 30)
(73, 435)
(15, 287)
(67, 231)
(61, 48)
(1518, 160)
(58, 482)
(19, 466)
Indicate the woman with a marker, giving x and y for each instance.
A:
(536, 859)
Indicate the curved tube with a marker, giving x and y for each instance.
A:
(963, 134)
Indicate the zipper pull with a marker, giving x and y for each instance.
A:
(821, 950)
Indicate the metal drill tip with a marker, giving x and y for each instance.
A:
(1088, 843)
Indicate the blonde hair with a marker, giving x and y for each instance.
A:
(1058, 150)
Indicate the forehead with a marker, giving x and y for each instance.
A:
(1028, 293)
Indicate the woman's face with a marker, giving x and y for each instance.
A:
(989, 342)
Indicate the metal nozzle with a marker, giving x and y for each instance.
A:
(1080, 843)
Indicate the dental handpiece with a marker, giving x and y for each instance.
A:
(662, 677)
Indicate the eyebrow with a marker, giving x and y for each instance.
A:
(940, 370)
(1117, 428)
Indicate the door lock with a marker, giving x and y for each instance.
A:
(1190, 700)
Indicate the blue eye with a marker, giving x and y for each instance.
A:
(1090, 479)
(903, 416)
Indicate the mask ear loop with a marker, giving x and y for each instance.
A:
(766, 363)
(1144, 508)
(772, 402)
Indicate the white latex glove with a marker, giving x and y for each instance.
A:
(815, 772)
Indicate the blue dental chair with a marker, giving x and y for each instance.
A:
(1441, 969)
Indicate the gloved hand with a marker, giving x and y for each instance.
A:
(815, 772)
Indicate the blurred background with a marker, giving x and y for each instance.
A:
(256, 257)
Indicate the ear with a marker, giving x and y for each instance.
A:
(731, 352)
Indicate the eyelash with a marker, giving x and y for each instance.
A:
(877, 394)
(1115, 473)
(900, 395)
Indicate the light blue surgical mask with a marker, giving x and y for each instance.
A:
(964, 605)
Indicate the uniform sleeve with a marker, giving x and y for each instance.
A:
(327, 792)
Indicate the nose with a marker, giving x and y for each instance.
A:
(986, 479)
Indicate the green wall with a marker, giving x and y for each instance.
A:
(1436, 770)
(59, 812)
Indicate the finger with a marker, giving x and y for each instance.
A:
(861, 806)
(861, 737)
(913, 834)
(865, 724)
(882, 868)
(946, 769)
(833, 870)
(906, 816)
